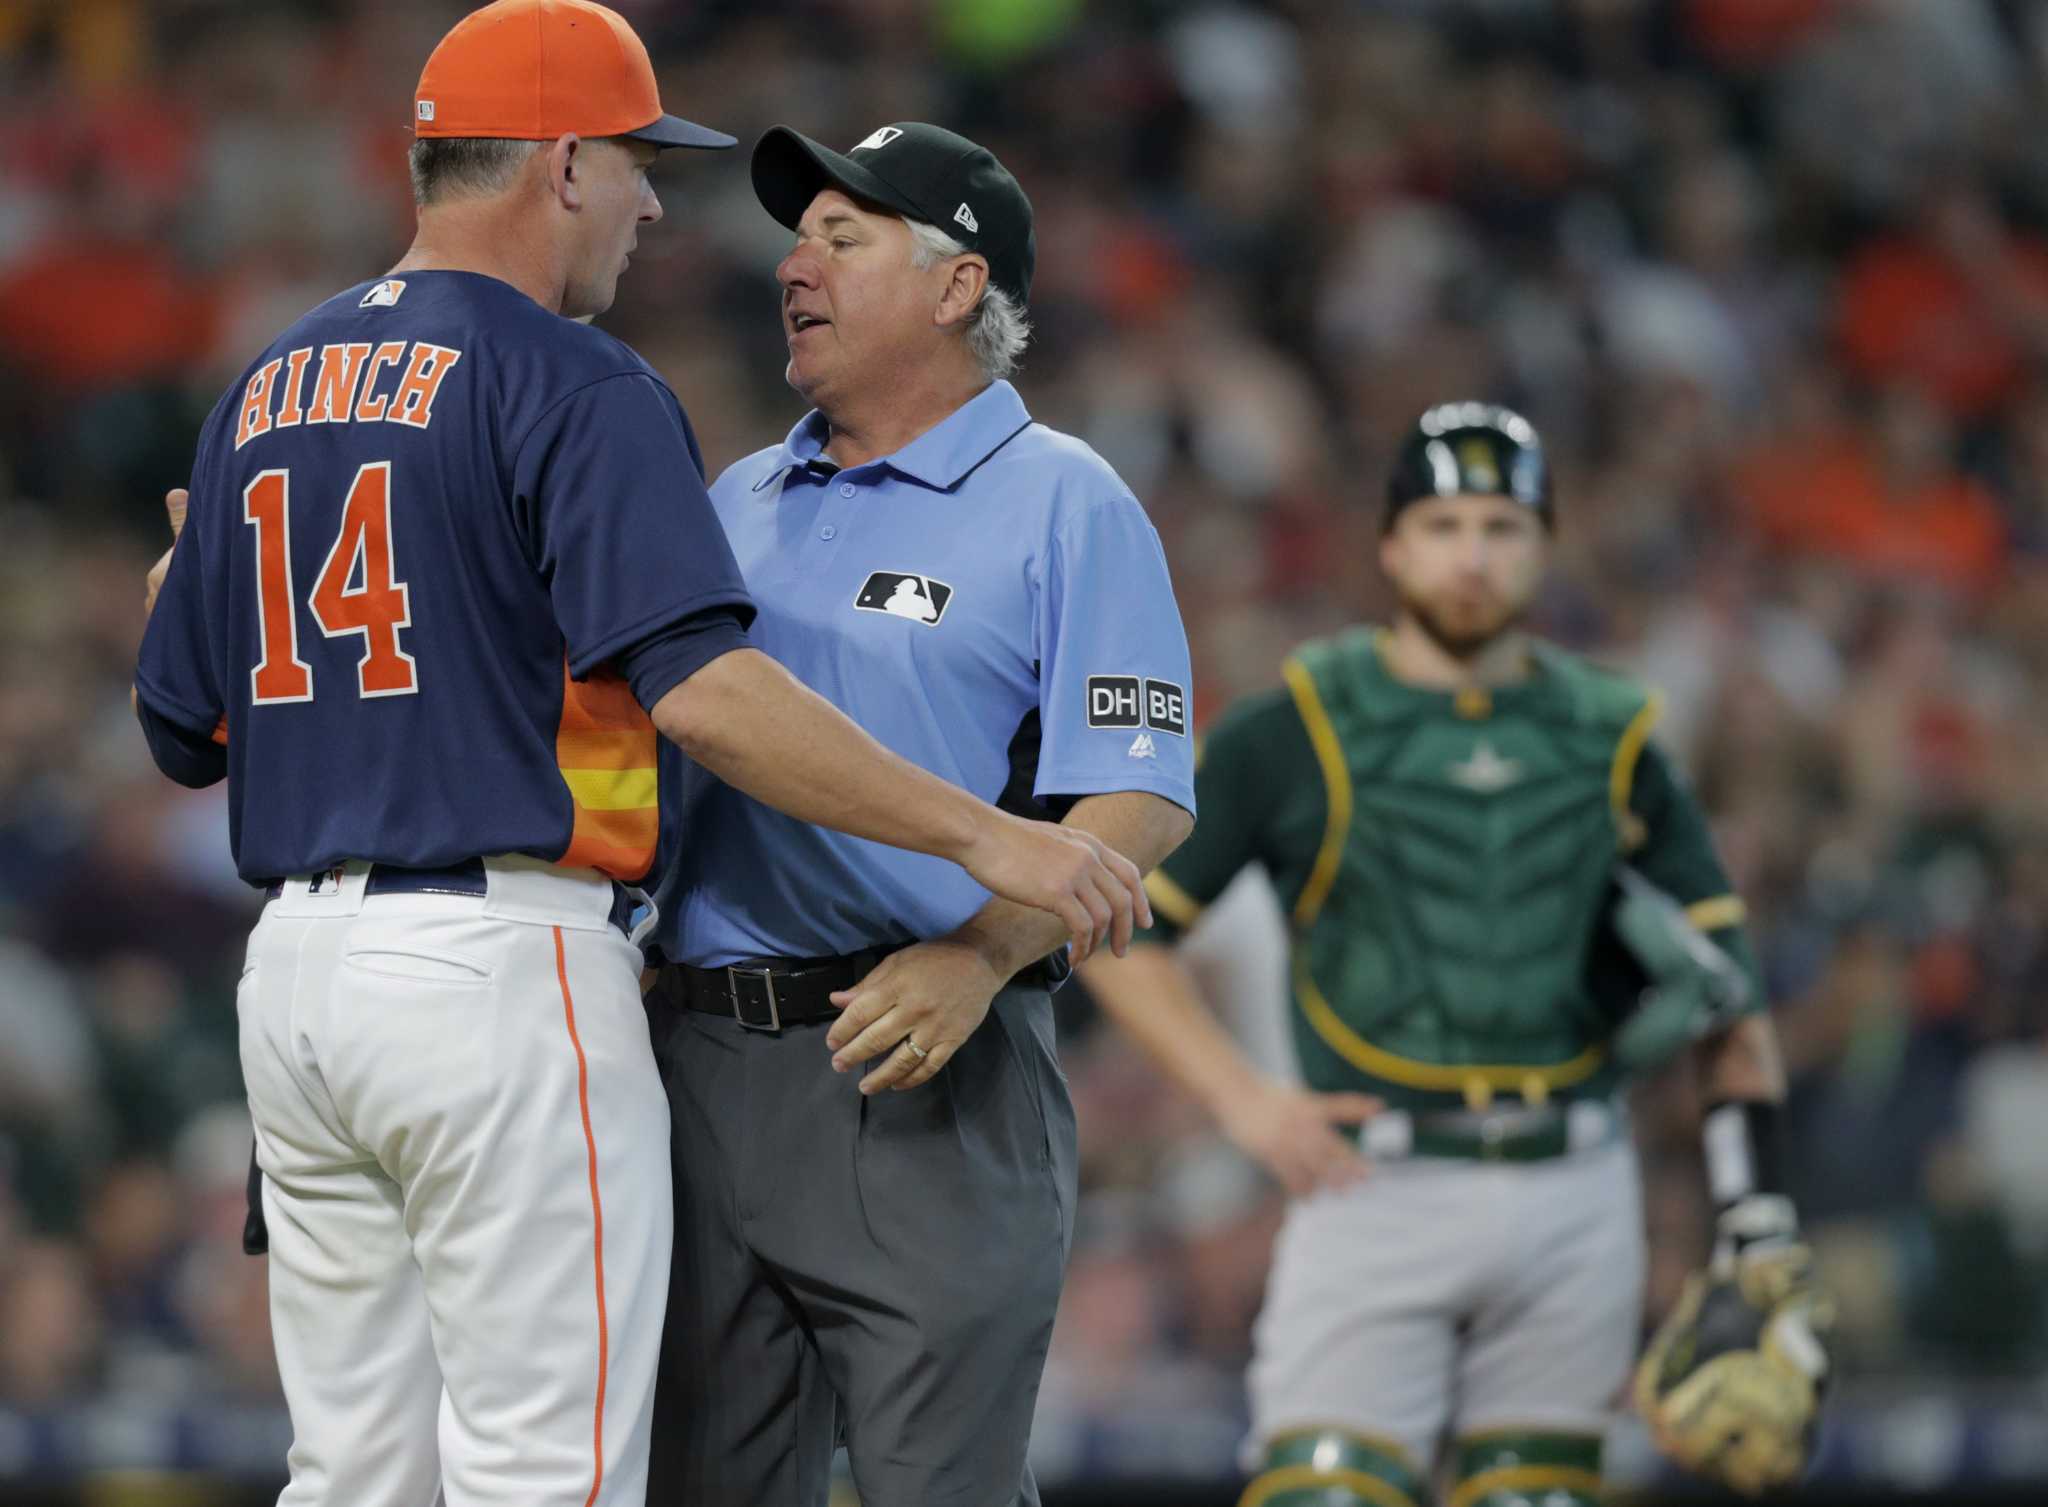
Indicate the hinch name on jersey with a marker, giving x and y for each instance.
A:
(344, 387)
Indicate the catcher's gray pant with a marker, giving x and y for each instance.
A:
(1441, 1293)
(886, 1268)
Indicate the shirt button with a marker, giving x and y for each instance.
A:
(828, 532)
(846, 489)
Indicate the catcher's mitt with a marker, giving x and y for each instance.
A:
(1732, 1383)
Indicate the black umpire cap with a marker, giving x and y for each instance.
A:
(918, 170)
(1458, 448)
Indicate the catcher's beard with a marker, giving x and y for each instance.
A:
(1462, 641)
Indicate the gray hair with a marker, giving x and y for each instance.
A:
(997, 330)
(447, 166)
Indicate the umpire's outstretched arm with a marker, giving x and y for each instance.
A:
(761, 730)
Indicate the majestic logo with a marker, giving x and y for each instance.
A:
(426, 109)
(1486, 771)
(1141, 747)
(881, 138)
(384, 295)
(965, 216)
(902, 593)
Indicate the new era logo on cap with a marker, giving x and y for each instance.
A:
(965, 216)
(879, 138)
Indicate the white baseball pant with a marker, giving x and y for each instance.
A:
(464, 1145)
(1462, 1296)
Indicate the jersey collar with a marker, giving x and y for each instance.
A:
(940, 458)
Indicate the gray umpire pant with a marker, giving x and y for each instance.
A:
(880, 1271)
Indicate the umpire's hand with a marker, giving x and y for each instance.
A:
(925, 999)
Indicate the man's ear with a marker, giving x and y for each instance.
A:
(564, 168)
(965, 284)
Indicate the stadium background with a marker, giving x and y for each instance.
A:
(1772, 275)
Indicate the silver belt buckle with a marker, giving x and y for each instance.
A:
(733, 974)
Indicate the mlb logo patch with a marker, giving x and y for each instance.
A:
(426, 109)
(904, 593)
(383, 296)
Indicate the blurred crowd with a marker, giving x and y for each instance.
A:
(1771, 276)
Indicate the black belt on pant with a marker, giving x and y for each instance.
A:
(466, 878)
(766, 994)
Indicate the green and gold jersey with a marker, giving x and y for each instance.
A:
(1446, 859)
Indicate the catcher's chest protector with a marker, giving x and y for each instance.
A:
(1447, 920)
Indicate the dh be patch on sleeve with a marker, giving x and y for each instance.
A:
(1131, 701)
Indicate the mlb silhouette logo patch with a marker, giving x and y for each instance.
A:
(383, 296)
(905, 593)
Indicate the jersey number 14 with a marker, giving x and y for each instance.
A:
(376, 609)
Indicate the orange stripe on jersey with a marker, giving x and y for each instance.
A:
(414, 403)
(390, 353)
(606, 750)
(334, 389)
(220, 732)
(597, 749)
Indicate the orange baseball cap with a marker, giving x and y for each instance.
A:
(531, 70)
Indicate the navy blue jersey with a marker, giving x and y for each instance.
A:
(422, 530)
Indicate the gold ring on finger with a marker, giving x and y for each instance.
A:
(922, 1052)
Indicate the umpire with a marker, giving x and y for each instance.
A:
(986, 598)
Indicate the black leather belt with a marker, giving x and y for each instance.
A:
(766, 994)
(467, 878)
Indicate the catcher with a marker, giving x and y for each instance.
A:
(1503, 902)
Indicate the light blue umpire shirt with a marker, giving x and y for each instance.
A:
(991, 603)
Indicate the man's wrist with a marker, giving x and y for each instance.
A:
(1007, 948)
(1743, 1142)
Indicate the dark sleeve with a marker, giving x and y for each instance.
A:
(1677, 855)
(611, 500)
(192, 759)
(1241, 777)
(655, 666)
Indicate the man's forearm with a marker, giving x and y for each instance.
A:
(1742, 1064)
(761, 730)
(1153, 997)
(1141, 826)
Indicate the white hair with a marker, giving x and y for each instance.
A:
(997, 330)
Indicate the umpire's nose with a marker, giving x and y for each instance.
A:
(799, 269)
